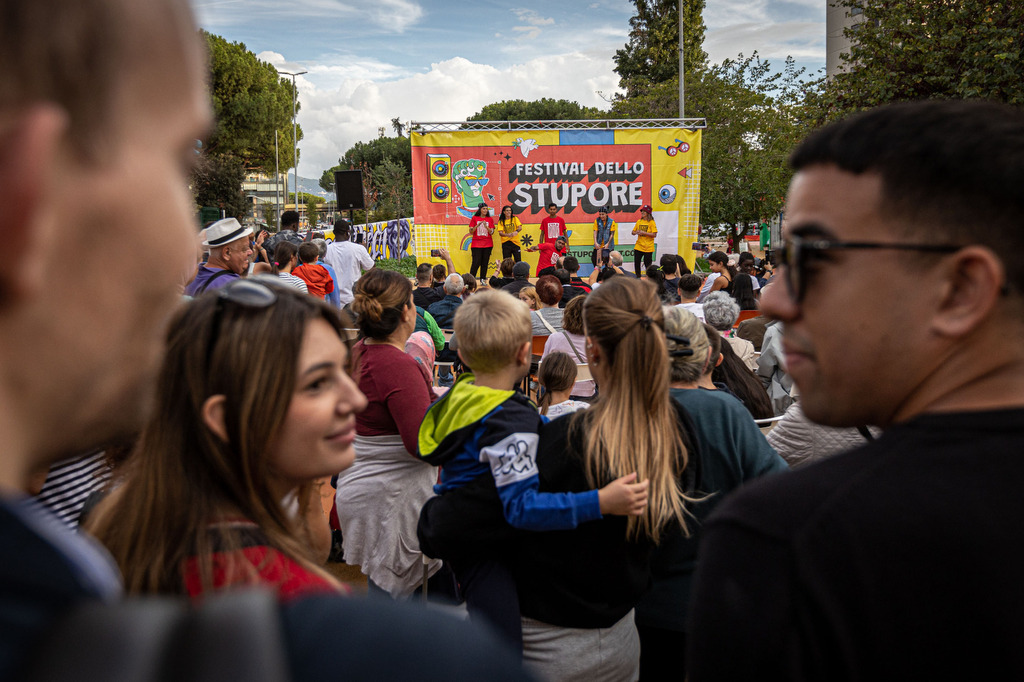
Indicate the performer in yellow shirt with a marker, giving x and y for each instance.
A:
(645, 230)
(509, 228)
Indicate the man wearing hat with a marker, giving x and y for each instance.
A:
(228, 242)
(520, 278)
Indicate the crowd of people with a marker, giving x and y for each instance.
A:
(632, 523)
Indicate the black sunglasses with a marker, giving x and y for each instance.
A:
(244, 293)
(796, 252)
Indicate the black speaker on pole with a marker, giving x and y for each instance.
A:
(348, 188)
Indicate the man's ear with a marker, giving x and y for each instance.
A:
(213, 416)
(30, 150)
(970, 292)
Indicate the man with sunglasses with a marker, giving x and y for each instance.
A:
(903, 559)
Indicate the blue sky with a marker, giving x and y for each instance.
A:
(426, 60)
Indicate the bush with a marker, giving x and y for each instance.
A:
(406, 266)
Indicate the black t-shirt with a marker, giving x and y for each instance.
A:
(900, 560)
(424, 296)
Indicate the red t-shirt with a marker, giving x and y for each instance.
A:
(549, 256)
(551, 229)
(482, 234)
(255, 563)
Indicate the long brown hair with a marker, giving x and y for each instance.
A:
(557, 373)
(183, 477)
(633, 426)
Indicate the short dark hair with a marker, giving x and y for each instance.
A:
(552, 205)
(571, 263)
(423, 271)
(440, 272)
(669, 263)
(309, 252)
(953, 169)
(563, 275)
(690, 284)
(289, 219)
(745, 256)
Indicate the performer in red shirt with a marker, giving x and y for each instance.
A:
(481, 226)
(550, 252)
(551, 227)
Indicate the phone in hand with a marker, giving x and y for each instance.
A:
(435, 253)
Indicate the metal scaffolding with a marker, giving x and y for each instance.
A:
(596, 124)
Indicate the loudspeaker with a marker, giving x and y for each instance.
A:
(348, 188)
(439, 168)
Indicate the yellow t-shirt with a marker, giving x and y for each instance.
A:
(645, 244)
(512, 226)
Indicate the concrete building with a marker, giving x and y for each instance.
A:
(837, 18)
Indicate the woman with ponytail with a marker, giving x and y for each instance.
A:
(379, 498)
(578, 588)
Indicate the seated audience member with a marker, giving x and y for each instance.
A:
(670, 268)
(721, 311)
(470, 432)
(557, 376)
(318, 281)
(743, 293)
(569, 290)
(733, 451)
(800, 441)
(746, 265)
(65, 487)
(722, 275)
(440, 274)
(286, 256)
(572, 266)
(521, 278)
(689, 289)
(548, 318)
(443, 313)
(771, 369)
(378, 499)
(332, 297)
(223, 489)
(504, 274)
(424, 294)
(656, 278)
(614, 266)
(472, 284)
(528, 295)
(742, 383)
(572, 341)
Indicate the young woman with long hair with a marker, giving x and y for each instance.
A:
(557, 375)
(509, 228)
(254, 404)
(579, 587)
(481, 226)
(378, 498)
(719, 264)
(743, 292)
(742, 383)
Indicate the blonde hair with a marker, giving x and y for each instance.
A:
(557, 373)
(491, 327)
(531, 293)
(680, 322)
(633, 426)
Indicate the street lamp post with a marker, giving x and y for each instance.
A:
(295, 137)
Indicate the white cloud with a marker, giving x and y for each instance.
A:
(799, 39)
(336, 117)
(392, 16)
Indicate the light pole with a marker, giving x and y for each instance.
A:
(295, 138)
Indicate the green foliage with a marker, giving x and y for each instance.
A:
(270, 216)
(306, 197)
(217, 182)
(928, 50)
(370, 155)
(545, 109)
(406, 266)
(250, 102)
(755, 118)
(652, 54)
(312, 213)
(392, 191)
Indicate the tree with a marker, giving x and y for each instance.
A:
(312, 213)
(371, 155)
(398, 126)
(392, 186)
(652, 54)
(270, 216)
(217, 182)
(545, 109)
(939, 49)
(250, 102)
(754, 116)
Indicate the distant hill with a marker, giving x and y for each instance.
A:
(310, 186)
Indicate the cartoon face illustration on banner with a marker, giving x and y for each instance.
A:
(470, 176)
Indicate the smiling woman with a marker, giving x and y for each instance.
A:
(254, 404)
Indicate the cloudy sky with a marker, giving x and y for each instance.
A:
(432, 60)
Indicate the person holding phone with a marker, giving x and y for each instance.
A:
(481, 226)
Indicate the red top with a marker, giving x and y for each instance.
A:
(551, 229)
(482, 234)
(318, 280)
(549, 256)
(258, 564)
(398, 392)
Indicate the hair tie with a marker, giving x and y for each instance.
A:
(646, 321)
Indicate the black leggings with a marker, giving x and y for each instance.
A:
(510, 250)
(481, 255)
(645, 256)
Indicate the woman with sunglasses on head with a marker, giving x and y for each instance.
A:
(509, 228)
(254, 404)
(481, 227)
(379, 498)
